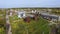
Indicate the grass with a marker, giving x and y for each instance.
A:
(34, 27)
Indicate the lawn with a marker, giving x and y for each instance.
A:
(34, 27)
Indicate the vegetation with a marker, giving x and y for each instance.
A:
(34, 27)
(21, 27)
(2, 22)
(56, 11)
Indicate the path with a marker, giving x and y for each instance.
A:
(8, 26)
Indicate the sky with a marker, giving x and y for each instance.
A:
(29, 3)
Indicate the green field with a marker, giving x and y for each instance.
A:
(34, 27)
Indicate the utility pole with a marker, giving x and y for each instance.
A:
(8, 26)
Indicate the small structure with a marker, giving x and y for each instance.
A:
(21, 14)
